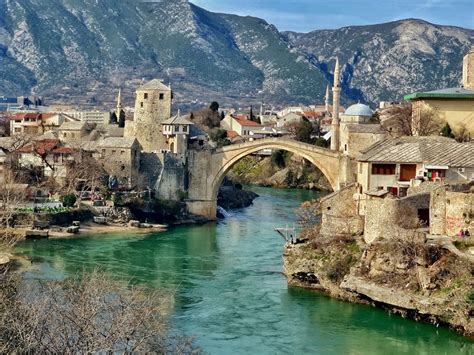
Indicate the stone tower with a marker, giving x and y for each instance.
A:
(326, 99)
(468, 70)
(336, 92)
(152, 107)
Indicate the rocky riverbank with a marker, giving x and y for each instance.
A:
(426, 280)
(281, 170)
(232, 196)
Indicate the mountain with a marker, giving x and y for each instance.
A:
(80, 51)
(384, 62)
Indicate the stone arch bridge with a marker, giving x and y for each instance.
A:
(208, 168)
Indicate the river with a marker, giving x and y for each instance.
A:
(230, 293)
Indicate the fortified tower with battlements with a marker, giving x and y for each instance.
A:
(152, 107)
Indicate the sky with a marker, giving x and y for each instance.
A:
(308, 15)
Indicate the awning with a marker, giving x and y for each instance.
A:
(437, 167)
(327, 136)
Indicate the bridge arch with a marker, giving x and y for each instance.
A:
(324, 159)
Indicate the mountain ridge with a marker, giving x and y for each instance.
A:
(81, 51)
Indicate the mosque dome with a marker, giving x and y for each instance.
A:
(358, 110)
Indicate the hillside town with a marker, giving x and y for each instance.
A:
(65, 171)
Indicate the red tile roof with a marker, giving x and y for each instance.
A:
(245, 122)
(41, 147)
(232, 134)
(31, 115)
(310, 114)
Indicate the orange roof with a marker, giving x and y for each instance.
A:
(41, 147)
(245, 122)
(232, 134)
(31, 115)
(310, 114)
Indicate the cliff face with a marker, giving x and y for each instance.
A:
(420, 279)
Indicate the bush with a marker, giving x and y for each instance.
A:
(68, 200)
(89, 313)
(278, 158)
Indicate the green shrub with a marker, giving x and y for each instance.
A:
(68, 200)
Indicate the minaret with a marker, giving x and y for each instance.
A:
(336, 92)
(119, 103)
(326, 99)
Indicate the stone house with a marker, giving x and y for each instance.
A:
(289, 118)
(354, 138)
(241, 125)
(177, 130)
(74, 130)
(48, 156)
(121, 159)
(399, 163)
(34, 123)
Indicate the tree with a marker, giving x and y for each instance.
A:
(446, 131)
(406, 120)
(87, 313)
(279, 158)
(12, 196)
(214, 106)
(191, 116)
(220, 137)
(222, 115)
(252, 116)
(463, 134)
(113, 118)
(68, 200)
(121, 120)
(304, 132)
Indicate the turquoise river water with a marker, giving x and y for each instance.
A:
(229, 290)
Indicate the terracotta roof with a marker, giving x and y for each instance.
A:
(310, 114)
(245, 122)
(232, 134)
(41, 147)
(429, 150)
(31, 115)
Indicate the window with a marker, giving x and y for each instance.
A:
(145, 96)
(141, 104)
(56, 158)
(65, 135)
(383, 169)
(17, 129)
(113, 151)
(122, 152)
(176, 128)
(162, 96)
(103, 151)
(185, 128)
(345, 147)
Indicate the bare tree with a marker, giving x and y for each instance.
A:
(90, 313)
(406, 119)
(85, 172)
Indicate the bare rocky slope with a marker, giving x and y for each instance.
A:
(80, 51)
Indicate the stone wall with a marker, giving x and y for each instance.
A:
(392, 217)
(451, 211)
(172, 183)
(340, 213)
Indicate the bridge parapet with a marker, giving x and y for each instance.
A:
(208, 168)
